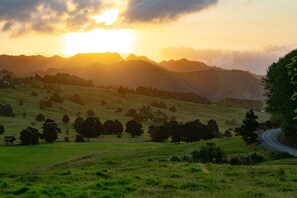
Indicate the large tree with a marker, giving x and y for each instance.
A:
(50, 131)
(29, 136)
(279, 92)
(91, 128)
(134, 128)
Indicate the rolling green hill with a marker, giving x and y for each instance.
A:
(92, 98)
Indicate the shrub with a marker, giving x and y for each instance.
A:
(56, 98)
(91, 128)
(158, 133)
(40, 117)
(45, 104)
(79, 138)
(6, 110)
(172, 109)
(66, 139)
(246, 159)
(209, 153)
(90, 113)
(65, 119)
(187, 159)
(175, 159)
(9, 139)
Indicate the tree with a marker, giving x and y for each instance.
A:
(248, 128)
(91, 128)
(6, 110)
(90, 113)
(40, 117)
(118, 127)
(29, 136)
(2, 129)
(214, 128)
(50, 131)
(280, 85)
(134, 128)
(78, 124)
(56, 98)
(9, 139)
(158, 133)
(65, 119)
(108, 127)
(175, 131)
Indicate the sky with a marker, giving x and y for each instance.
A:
(233, 34)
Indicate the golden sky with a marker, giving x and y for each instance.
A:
(230, 33)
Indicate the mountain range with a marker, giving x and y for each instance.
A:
(134, 71)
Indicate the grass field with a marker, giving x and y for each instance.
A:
(92, 98)
(129, 167)
(96, 169)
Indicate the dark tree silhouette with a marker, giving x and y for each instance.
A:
(2, 129)
(9, 139)
(40, 117)
(118, 127)
(50, 131)
(108, 127)
(175, 131)
(65, 119)
(248, 128)
(134, 128)
(91, 128)
(78, 124)
(29, 136)
(56, 98)
(79, 138)
(280, 83)
(158, 133)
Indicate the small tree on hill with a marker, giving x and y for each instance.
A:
(2, 129)
(134, 128)
(65, 119)
(50, 131)
(40, 117)
(90, 113)
(29, 136)
(249, 127)
(118, 127)
(91, 128)
(56, 98)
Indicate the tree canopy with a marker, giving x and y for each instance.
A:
(280, 85)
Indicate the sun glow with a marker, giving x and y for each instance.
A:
(108, 17)
(121, 41)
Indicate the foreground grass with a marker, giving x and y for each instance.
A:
(97, 169)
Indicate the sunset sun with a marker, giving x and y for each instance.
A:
(99, 40)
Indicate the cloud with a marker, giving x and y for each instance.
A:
(20, 16)
(163, 10)
(256, 61)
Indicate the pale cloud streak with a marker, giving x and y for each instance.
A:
(256, 61)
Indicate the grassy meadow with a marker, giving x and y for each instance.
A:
(129, 167)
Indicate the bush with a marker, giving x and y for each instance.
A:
(6, 110)
(9, 139)
(172, 109)
(246, 159)
(175, 159)
(45, 104)
(79, 138)
(40, 117)
(209, 153)
(65, 119)
(134, 128)
(66, 139)
(56, 98)
(187, 159)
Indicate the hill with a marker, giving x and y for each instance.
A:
(184, 65)
(217, 84)
(110, 69)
